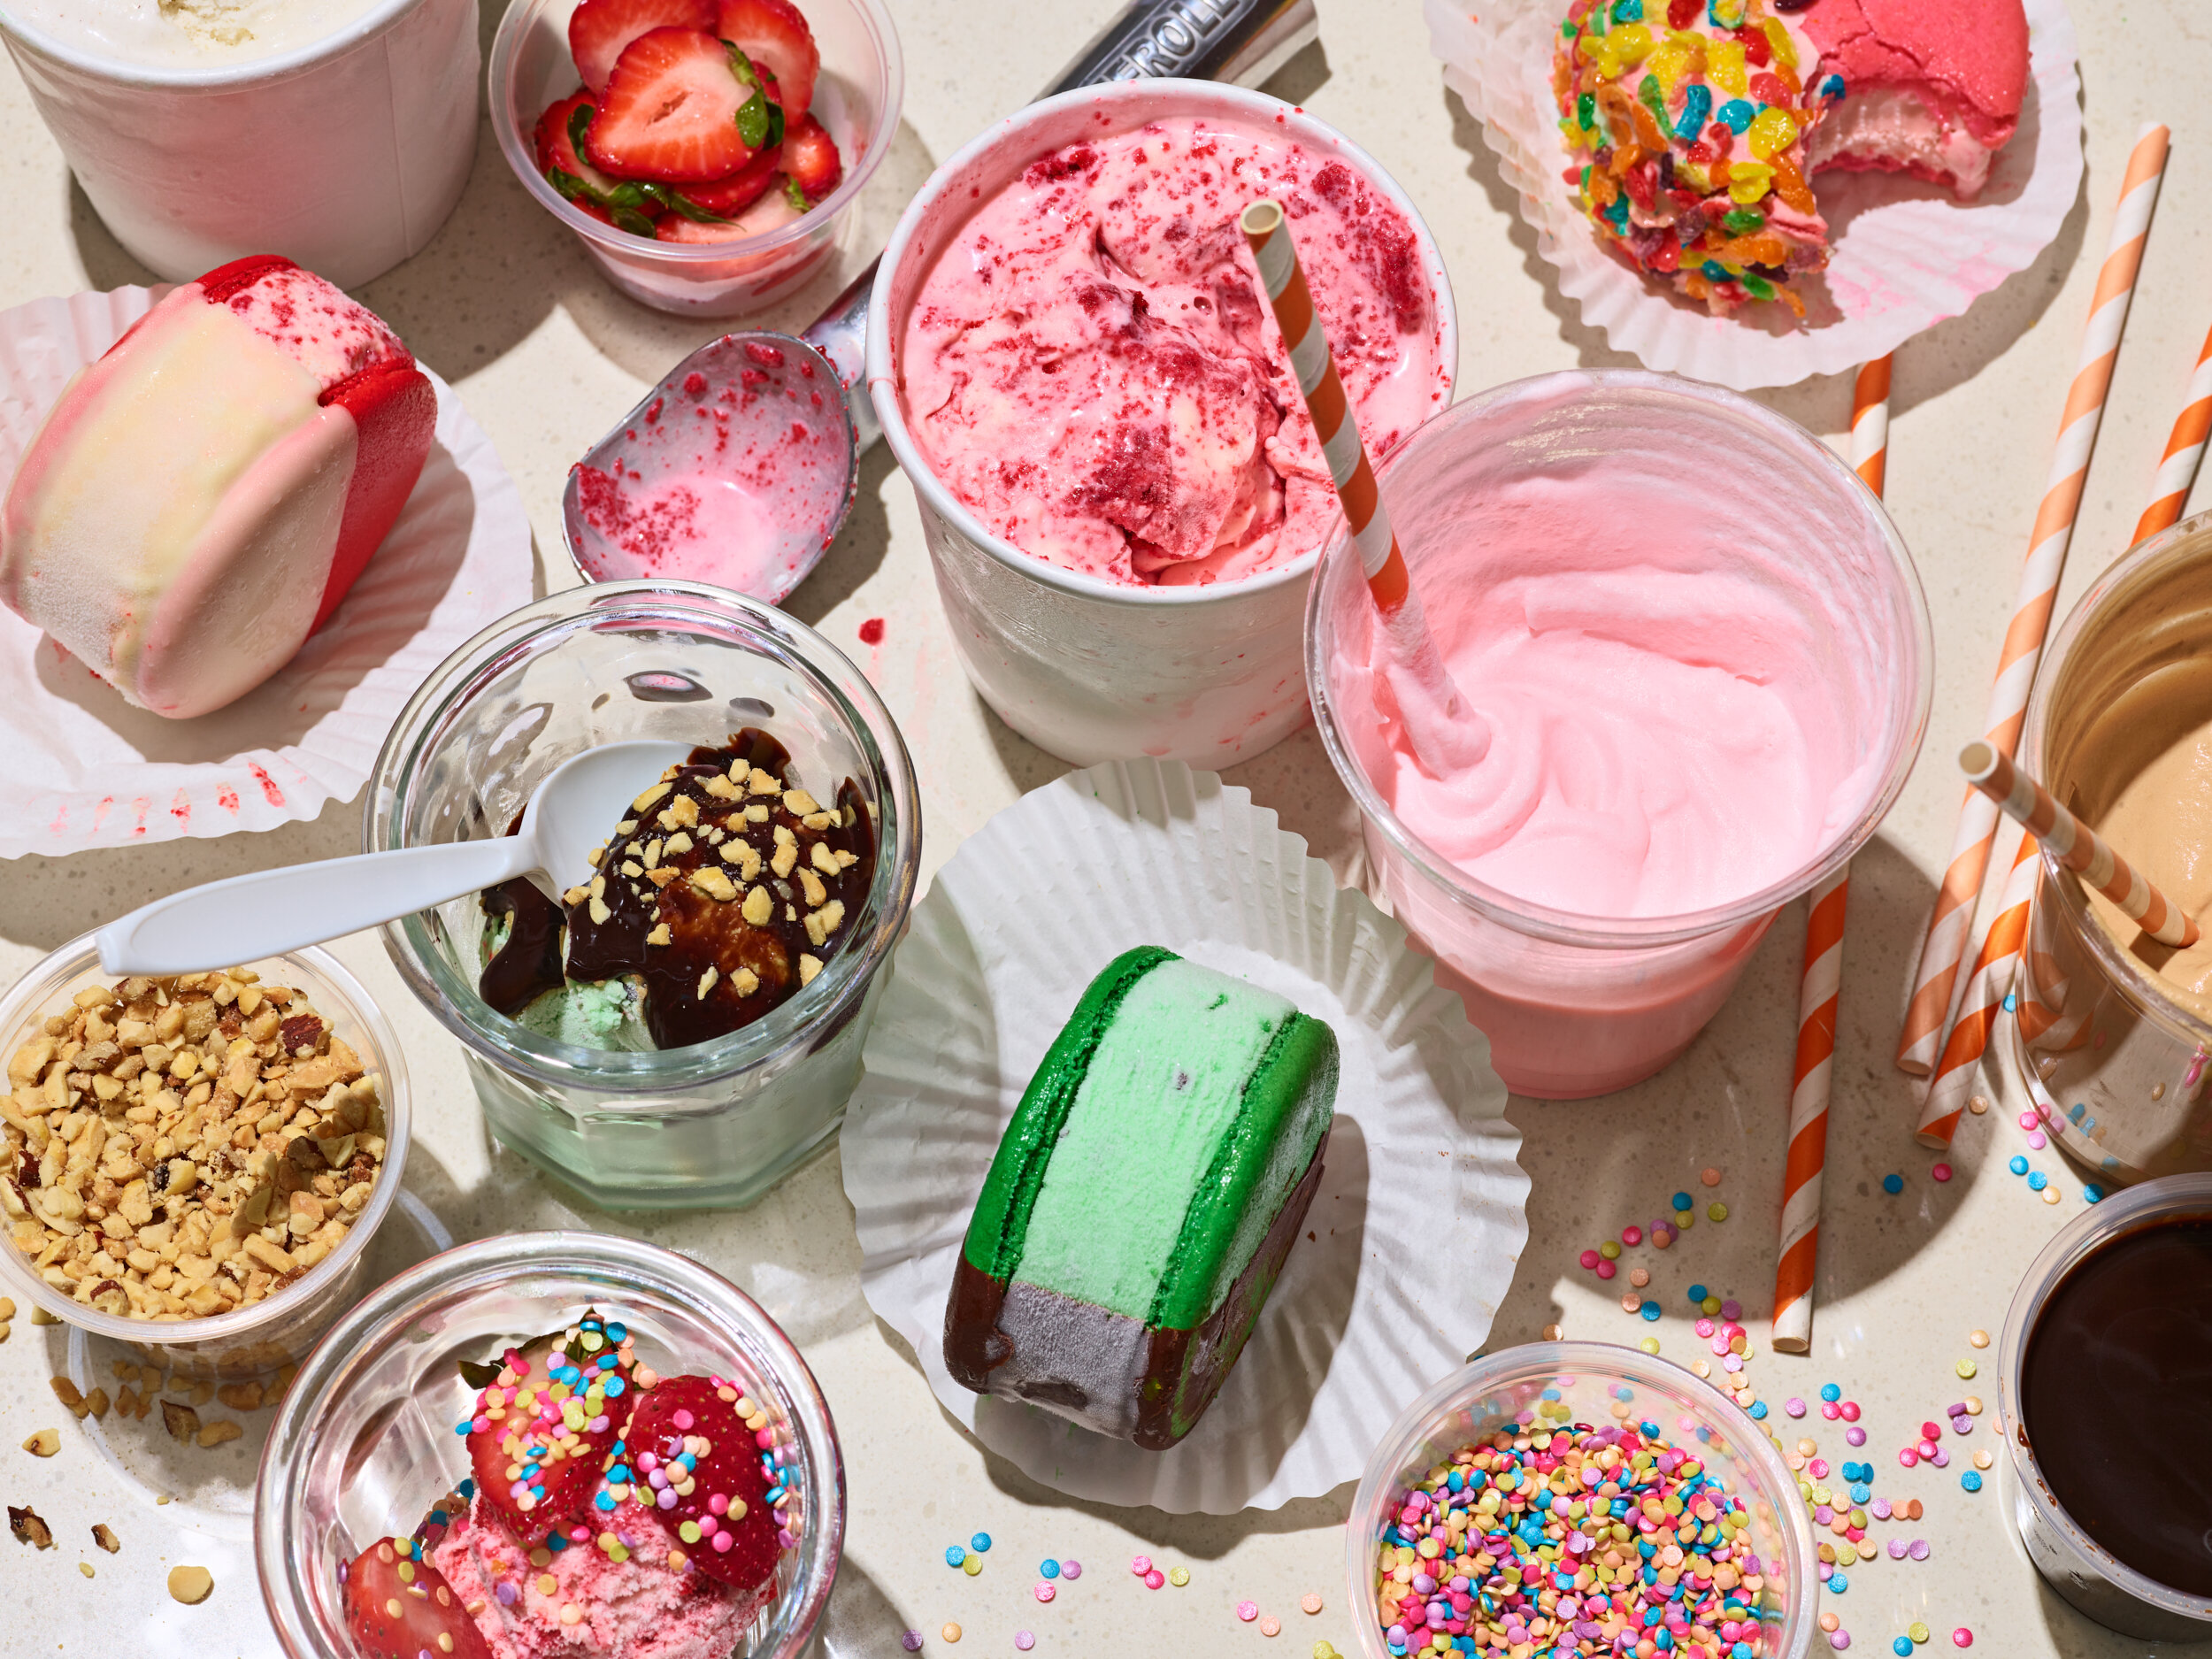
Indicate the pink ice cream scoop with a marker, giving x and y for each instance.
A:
(581, 1603)
(201, 497)
(1091, 367)
(1933, 88)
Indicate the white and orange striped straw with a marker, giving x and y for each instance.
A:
(1995, 967)
(1819, 987)
(2184, 452)
(1920, 1043)
(2076, 846)
(1445, 731)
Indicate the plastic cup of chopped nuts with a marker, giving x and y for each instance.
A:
(194, 1165)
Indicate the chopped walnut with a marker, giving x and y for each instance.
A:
(159, 1131)
(104, 1535)
(28, 1529)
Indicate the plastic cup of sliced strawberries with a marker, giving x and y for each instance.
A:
(708, 153)
(547, 1445)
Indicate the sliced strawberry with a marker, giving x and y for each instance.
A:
(725, 198)
(810, 156)
(691, 1456)
(772, 211)
(681, 108)
(399, 1608)
(771, 33)
(598, 30)
(545, 1422)
(558, 149)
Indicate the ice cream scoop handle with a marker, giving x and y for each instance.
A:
(243, 918)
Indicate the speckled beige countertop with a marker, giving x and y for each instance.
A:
(505, 307)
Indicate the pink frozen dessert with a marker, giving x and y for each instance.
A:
(200, 499)
(1934, 86)
(614, 1514)
(1091, 367)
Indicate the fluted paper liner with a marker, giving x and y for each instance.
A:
(1421, 1213)
(1906, 255)
(84, 768)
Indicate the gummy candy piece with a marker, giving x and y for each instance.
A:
(1777, 37)
(1647, 132)
(1756, 47)
(1585, 111)
(1743, 221)
(1769, 250)
(1757, 286)
(1770, 130)
(1697, 108)
(1790, 184)
(1667, 66)
(1618, 212)
(1724, 67)
(1736, 115)
(1777, 86)
(1649, 94)
(1666, 256)
(1682, 13)
(1713, 270)
(1748, 182)
(1627, 11)
(1621, 50)
(1726, 14)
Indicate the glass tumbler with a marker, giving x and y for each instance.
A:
(1597, 1384)
(363, 1442)
(714, 1124)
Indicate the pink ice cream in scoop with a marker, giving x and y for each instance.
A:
(639, 1608)
(1933, 88)
(1092, 368)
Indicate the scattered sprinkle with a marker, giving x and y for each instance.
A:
(1049, 1568)
(1155, 1579)
(1552, 1334)
(1309, 1603)
(2093, 1194)
(1270, 1626)
(1024, 1641)
(981, 1542)
(1966, 1368)
(2017, 1165)
(1247, 1610)
(1716, 1211)
(1971, 1481)
(2038, 1181)
(952, 1632)
(1141, 1565)
(955, 1554)
(1070, 1570)
(1918, 1631)
(1979, 1339)
(972, 1564)
(1178, 1577)
(1044, 1590)
(1941, 1171)
(1978, 1105)
(1893, 1184)
(1962, 1637)
(1710, 1177)
(912, 1641)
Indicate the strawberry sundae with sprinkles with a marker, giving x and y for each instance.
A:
(1687, 121)
(612, 1511)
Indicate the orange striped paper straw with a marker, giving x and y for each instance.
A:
(2184, 451)
(1447, 733)
(1995, 972)
(2076, 846)
(1818, 988)
(1920, 1044)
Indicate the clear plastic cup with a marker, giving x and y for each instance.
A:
(2090, 1577)
(363, 1441)
(1576, 1005)
(716, 1123)
(1090, 670)
(856, 99)
(1592, 1380)
(281, 1328)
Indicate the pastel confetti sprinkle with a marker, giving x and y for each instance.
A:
(1179, 1576)
(955, 1554)
(912, 1641)
(1049, 1568)
(1962, 1637)
(1247, 1610)
(1271, 1626)
(1045, 1592)
(1070, 1570)
(981, 1542)
(1024, 1641)
(1309, 1603)
(1893, 1184)
(1966, 1368)
(1941, 1171)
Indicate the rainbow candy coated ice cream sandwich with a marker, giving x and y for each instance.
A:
(201, 498)
(1143, 1199)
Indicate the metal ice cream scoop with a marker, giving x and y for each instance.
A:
(625, 514)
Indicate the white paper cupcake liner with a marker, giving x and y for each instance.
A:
(1421, 1212)
(83, 768)
(1906, 255)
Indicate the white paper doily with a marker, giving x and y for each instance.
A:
(84, 768)
(1422, 1209)
(1906, 255)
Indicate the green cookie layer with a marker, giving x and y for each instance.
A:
(1168, 1124)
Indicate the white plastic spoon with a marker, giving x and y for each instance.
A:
(246, 918)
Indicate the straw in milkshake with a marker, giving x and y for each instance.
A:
(1447, 734)
(1920, 1043)
(2184, 452)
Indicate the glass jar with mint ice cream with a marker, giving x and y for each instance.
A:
(682, 1025)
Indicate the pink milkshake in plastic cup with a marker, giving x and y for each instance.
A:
(1704, 659)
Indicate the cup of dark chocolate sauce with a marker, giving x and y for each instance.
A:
(2106, 1376)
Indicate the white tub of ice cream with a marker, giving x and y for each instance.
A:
(1138, 589)
(337, 133)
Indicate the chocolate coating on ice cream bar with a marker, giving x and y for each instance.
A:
(1143, 1200)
